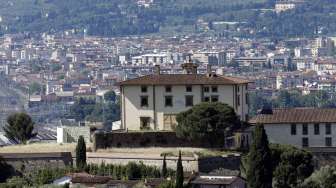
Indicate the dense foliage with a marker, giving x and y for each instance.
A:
(290, 166)
(35, 88)
(110, 96)
(288, 99)
(114, 17)
(81, 153)
(19, 128)
(322, 178)
(130, 171)
(46, 175)
(86, 109)
(207, 122)
(259, 171)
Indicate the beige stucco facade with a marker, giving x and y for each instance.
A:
(159, 113)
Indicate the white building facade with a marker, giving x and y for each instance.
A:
(300, 127)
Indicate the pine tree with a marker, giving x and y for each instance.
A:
(164, 167)
(19, 128)
(259, 172)
(81, 153)
(179, 173)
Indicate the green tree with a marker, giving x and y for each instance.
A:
(35, 88)
(259, 172)
(207, 122)
(291, 166)
(55, 67)
(322, 178)
(81, 153)
(179, 173)
(164, 170)
(19, 128)
(110, 96)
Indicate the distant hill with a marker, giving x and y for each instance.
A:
(125, 17)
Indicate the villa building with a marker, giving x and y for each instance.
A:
(152, 102)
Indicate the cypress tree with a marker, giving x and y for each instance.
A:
(179, 173)
(81, 153)
(164, 167)
(259, 172)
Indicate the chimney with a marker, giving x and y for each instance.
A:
(189, 67)
(157, 70)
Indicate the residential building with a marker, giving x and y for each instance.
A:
(252, 63)
(153, 101)
(300, 127)
(212, 58)
(150, 59)
(284, 5)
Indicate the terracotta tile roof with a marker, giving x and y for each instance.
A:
(184, 79)
(297, 115)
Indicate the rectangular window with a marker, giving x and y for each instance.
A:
(328, 128)
(328, 141)
(206, 89)
(305, 129)
(305, 142)
(168, 101)
(144, 101)
(168, 89)
(214, 98)
(189, 88)
(214, 89)
(189, 100)
(247, 98)
(144, 89)
(144, 123)
(316, 129)
(293, 129)
(206, 99)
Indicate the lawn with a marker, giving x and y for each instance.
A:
(38, 148)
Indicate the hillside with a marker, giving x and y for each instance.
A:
(115, 17)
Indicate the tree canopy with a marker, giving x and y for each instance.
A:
(290, 165)
(85, 109)
(322, 178)
(115, 18)
(110, 96)
(207, 122)
(19, 128)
